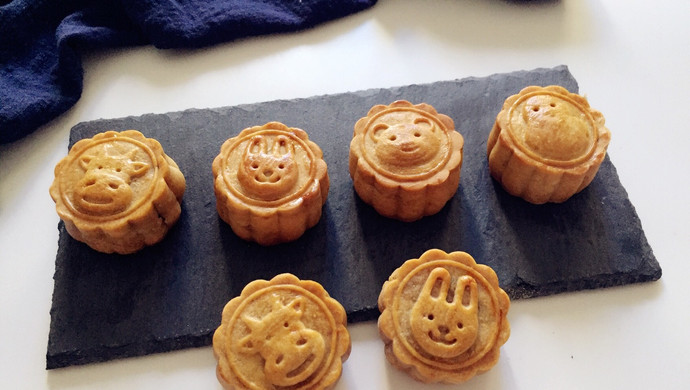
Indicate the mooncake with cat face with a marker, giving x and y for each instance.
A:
(443, 317)
(271, 183)
(405, 160)
(546, 144)
(285, 333)
(118, 191)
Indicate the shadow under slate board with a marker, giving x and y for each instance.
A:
(170, 296)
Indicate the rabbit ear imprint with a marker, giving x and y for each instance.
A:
(267, 170)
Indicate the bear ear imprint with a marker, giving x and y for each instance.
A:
(375, 132)
(422, 121)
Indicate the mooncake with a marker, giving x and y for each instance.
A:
(285, 333)
(546, 144)
(118, 191)
(405, 160)
(443, 317)
(271, 183)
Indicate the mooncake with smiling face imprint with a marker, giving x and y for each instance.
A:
(443, 317)
(118, 191)
(271, 183)
(405, 160)
(546, 144)
(284, 333)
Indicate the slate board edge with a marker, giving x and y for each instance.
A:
(91, 356)
(558, 68)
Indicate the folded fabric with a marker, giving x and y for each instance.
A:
(41, 41)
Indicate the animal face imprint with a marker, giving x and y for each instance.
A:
(408, 141)
(105, 187)
(291, 351)
(446, 325)
(268, 171)
(556, 129)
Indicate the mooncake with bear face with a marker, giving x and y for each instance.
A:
(405, 160)
(443, 317)
(546, 144)
(271, 183)
(282, 333)
(118, 191)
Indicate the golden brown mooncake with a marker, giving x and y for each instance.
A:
(118, 191)
(271, 183)
(284, 333)
(443, 317)
(547, 144)
(405, 160)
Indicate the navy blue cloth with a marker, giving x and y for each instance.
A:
(41, 41)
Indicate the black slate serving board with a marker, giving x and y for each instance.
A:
(170, 296)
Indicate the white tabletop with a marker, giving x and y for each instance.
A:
(630, 57)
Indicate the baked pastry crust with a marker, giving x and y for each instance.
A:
(405, 160)
(118, 191)
(271, 183)
(546, 144)
(436, 338)
(282, 333)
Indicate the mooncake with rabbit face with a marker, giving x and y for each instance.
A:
(271, 183)
(443, 317)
